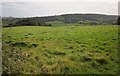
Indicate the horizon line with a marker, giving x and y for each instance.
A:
(60, 15)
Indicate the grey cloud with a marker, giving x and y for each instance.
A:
(20, 9)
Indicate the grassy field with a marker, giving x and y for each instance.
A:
(60, 50)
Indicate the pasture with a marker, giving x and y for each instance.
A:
(60, 50)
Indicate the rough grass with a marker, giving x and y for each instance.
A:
(61, 50)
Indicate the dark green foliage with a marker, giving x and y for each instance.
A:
(85, 58)
(22, 44)
(59, 53)
(118, 21)
(26, 22)
(102, 61)
(30, 22)
(35, 45)
(89, 22)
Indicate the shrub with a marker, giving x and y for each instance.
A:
(102, 61)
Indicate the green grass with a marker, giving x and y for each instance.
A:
(60, 23)
(61, 50)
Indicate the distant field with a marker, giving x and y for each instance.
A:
(60, 50)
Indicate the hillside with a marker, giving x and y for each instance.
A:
(90, 19)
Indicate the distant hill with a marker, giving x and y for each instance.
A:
(92, 19)
(72, 18)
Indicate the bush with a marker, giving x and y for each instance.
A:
(28, 22)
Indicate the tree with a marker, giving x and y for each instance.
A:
(118, 21)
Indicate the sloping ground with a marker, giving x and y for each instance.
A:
(61, 50)
(91, 19)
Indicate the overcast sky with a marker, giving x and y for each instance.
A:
(27, 8)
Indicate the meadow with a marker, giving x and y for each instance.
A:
(60, 50)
